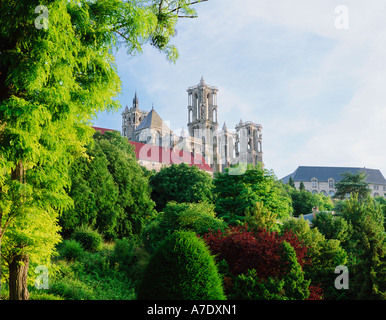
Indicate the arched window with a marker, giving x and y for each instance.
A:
(331, 183)
(314, 183)
(214, 115)
(331, 193)
(196, 106)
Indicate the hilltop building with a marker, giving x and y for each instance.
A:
(323, 179)
(219, 148)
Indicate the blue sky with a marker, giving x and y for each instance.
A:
(318, 92)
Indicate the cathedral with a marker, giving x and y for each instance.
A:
(215, 148)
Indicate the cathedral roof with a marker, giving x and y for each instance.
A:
(153, 121)
(169, 156)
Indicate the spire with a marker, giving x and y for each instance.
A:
(202, 81)
(224, 127)
(135, 100)
(183, 133)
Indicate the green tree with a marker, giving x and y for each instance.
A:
(94, 193)
(367, 248)
(238, 194)
(134, 194)
(53, 81)
(291, 286)
(181, 183)
(198, 217)
(182, 268)
(323, 255)
(382, 203)
(303, 201)
(259, 217)
(110, 191)
(352, 183)
(291, 182)
(295, 285)
(302, 186)
(332, 226)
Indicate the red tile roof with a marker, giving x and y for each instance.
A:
(165, 155)
(168, 156)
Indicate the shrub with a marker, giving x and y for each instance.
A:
(197, 217)
(182, 268)
(89, 238)
(123, 253)
(71, 249)
(72, 289)
(248, 286)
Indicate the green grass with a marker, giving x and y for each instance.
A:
(100, 275)
(92, 276)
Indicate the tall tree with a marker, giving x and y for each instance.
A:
(54, 79)
(235, 195)
(352, 183)
(291, 182)
(367, 246)
(181, 183)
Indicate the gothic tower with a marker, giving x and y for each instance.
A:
(131, 118)
(249, 143)
(202, 122)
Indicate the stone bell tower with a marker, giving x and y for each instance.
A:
(131, 118)
(202, 122)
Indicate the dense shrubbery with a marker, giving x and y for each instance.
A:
(71, 249)
(110, 190)
(90, 239)
(182, 268)
(188, 251)
(197, 217)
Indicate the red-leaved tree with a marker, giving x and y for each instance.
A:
(261, 250)
(244, 249)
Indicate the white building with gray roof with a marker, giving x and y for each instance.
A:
(323, 179)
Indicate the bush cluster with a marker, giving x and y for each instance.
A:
(90, 239)
(182, 268)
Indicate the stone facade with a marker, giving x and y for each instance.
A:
(220, 148)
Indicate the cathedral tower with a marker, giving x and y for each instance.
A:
(131, 118)
(202, 122)
(249, 143)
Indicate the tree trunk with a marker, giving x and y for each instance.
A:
(18, 270)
